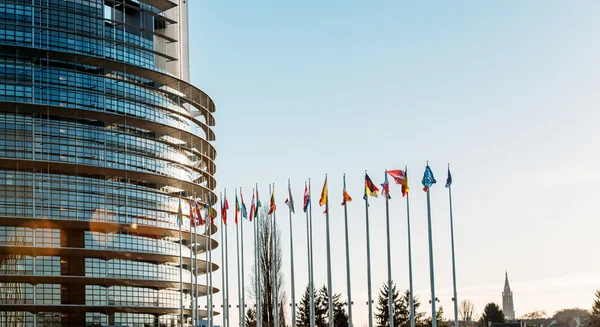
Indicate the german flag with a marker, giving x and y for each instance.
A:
(370, 188)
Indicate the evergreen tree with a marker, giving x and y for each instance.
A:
(594, 320)
(401, 310)
(340, 317)
(322, 307)
(251, 317)
(492, 313)
(303, 314)
(439, 318)
(419, 316)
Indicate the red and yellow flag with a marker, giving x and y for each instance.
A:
(401, 177)
(323, 200)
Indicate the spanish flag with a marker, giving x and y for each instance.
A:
(323, 200)
(401, 177)
(370, 188)
(346, 196)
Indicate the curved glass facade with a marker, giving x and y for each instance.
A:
(102, 138)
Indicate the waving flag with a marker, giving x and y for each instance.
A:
(258, 204)
(306, 198)
(272, 205)
(290, 201)
(209, 213)
(252, 207)
(428, 179)
(400, 177)
(179, 215)
(224, 209)
(323, 199)
(193, 216)
(370, 188)
(237, 208)
(244, 211)
(449, 179)
(346, 197)
(386, 187)
(198, 213)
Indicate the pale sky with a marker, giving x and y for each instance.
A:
(505, 91)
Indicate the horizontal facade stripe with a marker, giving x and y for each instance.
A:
(37, 308)
(105, 227)
(103, 281)
(197, 96)
(35, 251)
(190, 188)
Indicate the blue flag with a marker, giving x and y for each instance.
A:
(428, 179)
(449, 179)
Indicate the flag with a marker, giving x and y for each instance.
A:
(290, 201)
(449, 179)
(272, 206)
(386, 187)
(323, 199)
(193, 215)
(428, 179)
(237, 208)
(400, 177)
(179, 215)
(224, 208)
(199, 214)
(370, 188)
(244, 211)
(209, 213)
(258, 204)
(252, 206)
(306, 198)
(345, 195)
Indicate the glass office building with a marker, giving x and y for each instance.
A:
(101, 138)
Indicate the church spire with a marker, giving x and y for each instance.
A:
(507, 299)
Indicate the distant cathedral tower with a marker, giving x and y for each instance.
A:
(507, 301)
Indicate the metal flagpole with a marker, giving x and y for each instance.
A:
(431, 275)
(312, 276)
(410, 271)
(237, 249)
(227, 270)
(347, 259)
(370, 302)
(305, 208)
(180, 222)
(207, 251)
(243, 305)
(257, 246)
(257, 275)
(210, 268)
(389, 255)
(272, 261)
(290, 207)
(192, 259)
(223, 269)
(275, 266)
(330, 291)
(455, 299)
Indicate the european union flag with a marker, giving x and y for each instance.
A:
(428, 179)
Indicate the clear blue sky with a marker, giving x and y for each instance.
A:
(505, 91)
